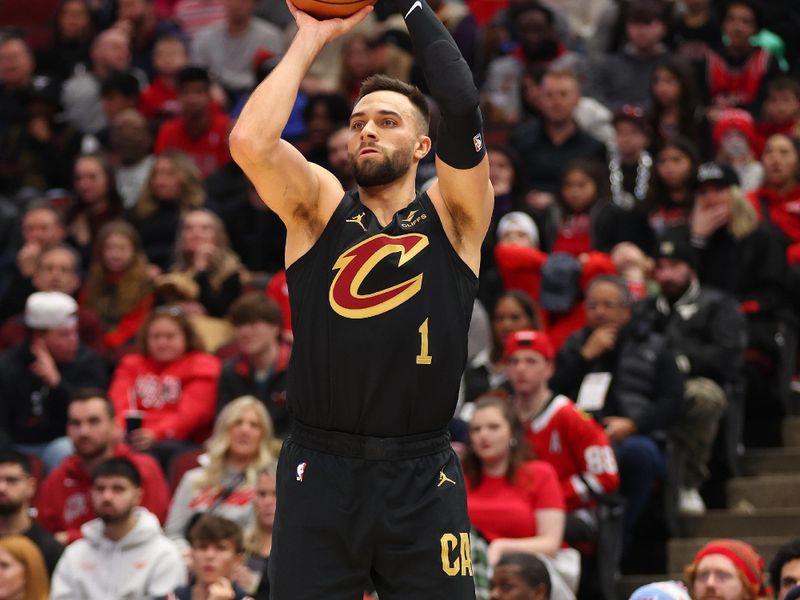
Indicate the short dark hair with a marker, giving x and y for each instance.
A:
(120, 82)
(177, 314)
(618, 282)
(754, 8)
(255, 307)
(118, 467)
(789, 551)
(384, 83)
(535, 7)
(192, 74)
(9, 455)
(213, 528)
(646, 11)
(61, 247)
(531, 568)
(90, 393)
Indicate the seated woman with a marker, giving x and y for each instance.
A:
(118, 288)
(226, 485)
(515, 503)
(170, 383)
(258, 538)
(204, 254)
(24, 574)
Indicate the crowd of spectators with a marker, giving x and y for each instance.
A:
(636, 321)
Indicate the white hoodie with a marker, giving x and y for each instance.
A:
(143, 564)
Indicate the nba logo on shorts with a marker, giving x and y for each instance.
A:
(478, 141)
(301, 471)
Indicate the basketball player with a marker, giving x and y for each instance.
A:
(381, 282)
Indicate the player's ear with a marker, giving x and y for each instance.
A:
(423, 147)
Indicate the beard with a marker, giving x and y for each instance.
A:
(9, 508)
(112, 518)
(90, 452)
(371, 173)
(673, 291)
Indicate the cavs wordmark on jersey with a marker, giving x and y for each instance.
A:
(380, 318)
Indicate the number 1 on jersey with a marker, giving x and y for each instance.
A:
(423, 358)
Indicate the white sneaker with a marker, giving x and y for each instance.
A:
(690, 502)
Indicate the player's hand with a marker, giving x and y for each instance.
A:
(221, 590)
(599, 342)
(329, 28)
(142, 439)
(618, 428)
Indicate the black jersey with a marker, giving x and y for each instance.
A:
(380, 318)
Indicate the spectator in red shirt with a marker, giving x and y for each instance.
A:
(560, 434)
(199, 131)
(515, 503)
(159, 100)
(781, 110)
(64, 502)
(171, 382)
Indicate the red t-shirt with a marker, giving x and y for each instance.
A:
(499, 508)
(574, 235)
(209, 151)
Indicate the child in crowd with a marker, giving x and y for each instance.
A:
(159, 100)
(118, 288)
(672, 192)
(737, 146)
(631, 164)
(781, 110)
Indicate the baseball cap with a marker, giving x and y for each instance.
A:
(50, 310)
(661, 590)
(528, 339)
(518, 221)
(713, 172)
(675, 244)
(634, 115)
(559, 288)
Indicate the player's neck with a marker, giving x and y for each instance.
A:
(15, 523)
(385, 200)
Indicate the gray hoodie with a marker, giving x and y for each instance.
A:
(141, 565)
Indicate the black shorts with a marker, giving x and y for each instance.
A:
(354, 510)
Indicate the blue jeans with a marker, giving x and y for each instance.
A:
(50, 453)
(641, 464)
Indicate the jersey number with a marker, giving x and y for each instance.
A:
(423, 358)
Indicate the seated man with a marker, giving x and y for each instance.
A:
(41, 227)
(559, 433)
(38, 376)
(260, 368)
(217, 551)
(123, 553)
(623, 372)
(65, 502)
(709, 333)
(18, 487)
(56, 269)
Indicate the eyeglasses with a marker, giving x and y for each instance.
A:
(169, 311)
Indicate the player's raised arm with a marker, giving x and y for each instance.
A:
(295, 189)
(461, 162)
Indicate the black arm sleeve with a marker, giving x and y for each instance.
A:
(460, 136)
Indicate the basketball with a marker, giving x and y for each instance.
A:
(327, 9)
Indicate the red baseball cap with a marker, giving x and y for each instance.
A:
(528, 339)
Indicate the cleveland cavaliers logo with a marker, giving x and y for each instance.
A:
(355, 264)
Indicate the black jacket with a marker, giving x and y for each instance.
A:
(705, 326)
(30, 411)
(646, 384)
